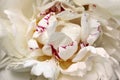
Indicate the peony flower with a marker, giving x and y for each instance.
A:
(59, 40)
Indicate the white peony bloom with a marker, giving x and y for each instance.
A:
(59, 40)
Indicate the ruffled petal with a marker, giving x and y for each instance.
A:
(45, 28)
(47, 68)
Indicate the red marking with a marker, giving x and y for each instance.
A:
(40, 28)
(31, 48)
(57, 8)
(85, 44)
(94, 5)
(36, 48)
(47, 17)
(71, 44)
(67, 45)
(54, 51)
(64, 47)
(37, 30)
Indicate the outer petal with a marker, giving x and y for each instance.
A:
(100, 70)
(110, 40)
(4, 59)
(6, 39)
(47, 68)
(19, 26)
(10, 75)
(113, 7)
(25, 6)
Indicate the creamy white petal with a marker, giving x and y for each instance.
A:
(4, 59)
(85, 29)
(19, 26)
(59, 39)
(84, 52)
(72, 30)
(67, 52)
(10, 75)
(110, 41)
(61, 46)
(25, 6)
(6, 39)
(102, 52)
(32, 44)
(47, 68)
(76, 69)
(113, 7)
(89, 29)
(45, 28)
(67, 15)
(47, 50)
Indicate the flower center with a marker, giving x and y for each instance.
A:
(63, 49)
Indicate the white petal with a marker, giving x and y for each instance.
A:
(47, 50)
(73, 31)
(62, 44)
(48, 24)
(19, 27)
(32, 44)
(66, 53)
(84, 52)
(89, 29)
(6, 39)
(85, 29)
(47, 68)
(30, 63)
(80, 55)
(59, 39)
(94, 33)
(102, 52)
(67, 15)
(10, 75)
(76, 69)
